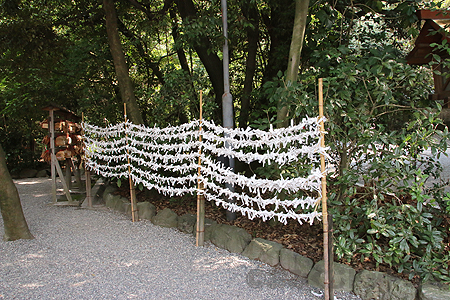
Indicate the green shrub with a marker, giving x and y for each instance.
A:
(379, 125)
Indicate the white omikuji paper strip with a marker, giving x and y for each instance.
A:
(166, 159)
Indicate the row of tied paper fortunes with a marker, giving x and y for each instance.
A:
(151, 150)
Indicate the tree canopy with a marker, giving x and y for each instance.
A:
(59, 52)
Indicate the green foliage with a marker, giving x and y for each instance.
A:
(379, 123)
(402, 232)
(57, 51)
(22, 140)
(206, 27)
(45, 56)
(176, 101)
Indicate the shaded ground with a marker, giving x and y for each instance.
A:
(304, 239)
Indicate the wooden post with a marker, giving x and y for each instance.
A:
(76, 175)
(68, 173)
(87, 172)
(64, 184)
(51, 127)
(200, 237)
(134, 215)
(326, 255)
(55, 167)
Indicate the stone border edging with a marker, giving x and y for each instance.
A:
(366, 284)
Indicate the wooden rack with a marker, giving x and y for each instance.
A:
(64, 142)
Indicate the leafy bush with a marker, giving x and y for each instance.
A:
(379, 125)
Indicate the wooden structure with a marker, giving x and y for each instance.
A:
(434, 30)
(64, 142)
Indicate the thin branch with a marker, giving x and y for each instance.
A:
(392, 111)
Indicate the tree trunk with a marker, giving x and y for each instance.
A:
(279, 28)
(136, 42)
(120, 64)
(278, 20)
(298, 34)
(183, 62)
(252, 50)
(176, 37)
(14, 221)
(211, 61)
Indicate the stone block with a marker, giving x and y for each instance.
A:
(108, 190)
(146, 210)
(127, 208)
(295, 263)
(377, 285)
(344, 276)
(434, 291)
(264, 250)
(120, 204)
(166, 218)
(96, 190)
(209, 224)
(186, 223)
(111, 200)
(231, 238)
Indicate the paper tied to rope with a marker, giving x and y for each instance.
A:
(166, 159)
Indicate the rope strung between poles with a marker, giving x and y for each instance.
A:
(166, 159)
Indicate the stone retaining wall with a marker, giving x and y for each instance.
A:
(366, 284)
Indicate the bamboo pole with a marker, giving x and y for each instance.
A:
(134, 216)
(200, 237)
(87, 172)
(326, 256)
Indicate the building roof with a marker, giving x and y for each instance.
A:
(62, 111)
(434, 30)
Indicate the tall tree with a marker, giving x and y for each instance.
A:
(202, 46)
(14, 222)
(120, 64)
(278, 20)
(251, 13)
(298, 35)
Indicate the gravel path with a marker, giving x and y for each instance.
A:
(99, 254)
